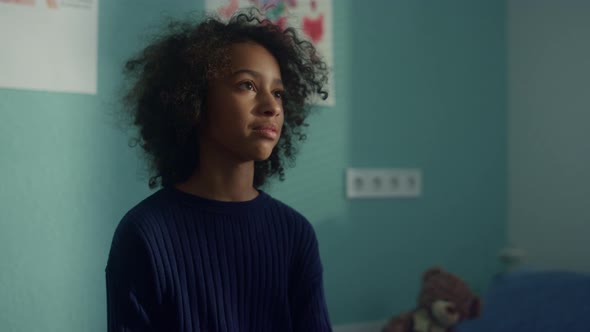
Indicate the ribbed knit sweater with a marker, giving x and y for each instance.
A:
(179, 262)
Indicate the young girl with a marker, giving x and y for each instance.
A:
(219, 108)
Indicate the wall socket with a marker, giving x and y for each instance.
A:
(383, 182)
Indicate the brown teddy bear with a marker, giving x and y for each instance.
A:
(444, 301)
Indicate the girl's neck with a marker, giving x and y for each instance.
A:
(220, 185)
(221, 178)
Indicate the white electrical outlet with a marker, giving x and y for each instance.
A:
(383, 182)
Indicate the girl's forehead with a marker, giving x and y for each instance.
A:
(255, 57)
(250, 52)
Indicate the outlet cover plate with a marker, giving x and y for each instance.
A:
(383, 182)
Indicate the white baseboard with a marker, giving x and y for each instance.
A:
(374, 326)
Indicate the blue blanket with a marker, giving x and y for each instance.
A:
(535, 301)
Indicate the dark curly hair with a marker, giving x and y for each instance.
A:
(168, 87)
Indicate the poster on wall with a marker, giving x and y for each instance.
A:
(49, 45)
(311, 18)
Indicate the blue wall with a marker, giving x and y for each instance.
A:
(418, 84)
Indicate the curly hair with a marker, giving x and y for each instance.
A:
(169, 80)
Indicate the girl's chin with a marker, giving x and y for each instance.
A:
(261, 157)
(263, 152)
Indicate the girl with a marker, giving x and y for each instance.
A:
(219, 108)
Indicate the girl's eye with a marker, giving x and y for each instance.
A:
(247, 85)
(278, 94)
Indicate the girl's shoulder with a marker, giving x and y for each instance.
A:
(292, 216)
(148, 210)
(148, 206)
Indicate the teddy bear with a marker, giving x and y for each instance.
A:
(444, 301)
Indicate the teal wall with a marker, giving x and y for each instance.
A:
(418, 84)
(549, 132)
(66, 178)
(427, 90)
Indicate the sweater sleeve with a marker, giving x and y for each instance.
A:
(130, 283)
(309, 310)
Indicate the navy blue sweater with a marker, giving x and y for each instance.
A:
(179, 262)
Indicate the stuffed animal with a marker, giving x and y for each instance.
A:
(444, 301)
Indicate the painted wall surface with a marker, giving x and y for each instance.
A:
(67, 176)
(419, 85)
(428, 91)
(549, 132)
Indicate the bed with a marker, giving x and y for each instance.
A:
(535, 301)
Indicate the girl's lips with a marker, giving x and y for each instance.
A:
(266, 132)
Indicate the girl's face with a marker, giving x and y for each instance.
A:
(244, 107)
